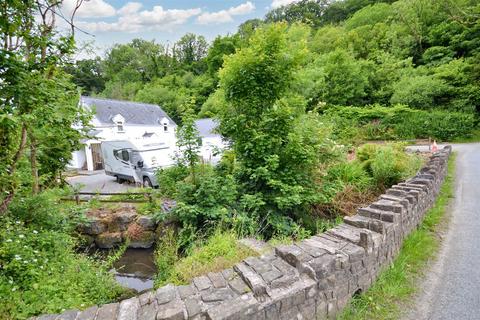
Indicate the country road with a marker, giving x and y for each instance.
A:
(451, 289)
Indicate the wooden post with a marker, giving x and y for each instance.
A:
(77, 198)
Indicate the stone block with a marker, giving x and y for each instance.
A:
(242, 307)
(252, 279)
(107, 312)
(186, 291)
(108, 240)
(165, 294)
(127, 309)
(147, 312)
(174, 310)
(202, 283)
(88, 314)
(217, 279)
(193, 307)
(68, 315)
(238, 285)
(146, 222)
(217, 295)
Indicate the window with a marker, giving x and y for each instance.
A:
(121, 154)
(120, 127)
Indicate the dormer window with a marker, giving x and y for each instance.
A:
(120, 127)
(164, 122)
(119, 122)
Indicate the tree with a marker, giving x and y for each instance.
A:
(88, 74)
(277, 145)
(32, 87)
(309, 12)
(189, 141)
(220, 47)
(190, 51)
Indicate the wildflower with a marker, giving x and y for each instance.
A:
(10, 281)
(34, 260)
(21, 236)
(17, 222)
(17, 257)
(9, 240)
(35, 231)
(14, 289)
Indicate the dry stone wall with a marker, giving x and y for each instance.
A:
(312, 279)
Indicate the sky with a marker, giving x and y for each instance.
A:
(107, 22)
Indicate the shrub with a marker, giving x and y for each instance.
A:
(39, 269)
(398, 122)
(388, 164)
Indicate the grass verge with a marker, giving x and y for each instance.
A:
(396, 285)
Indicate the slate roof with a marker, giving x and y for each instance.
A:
(206, 127)
(132, 112)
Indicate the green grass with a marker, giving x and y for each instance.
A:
(394, 288)
(219, 252)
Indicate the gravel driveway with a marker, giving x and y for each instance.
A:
(451, 289)
(99, 182)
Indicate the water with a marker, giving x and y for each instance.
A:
(136, 269)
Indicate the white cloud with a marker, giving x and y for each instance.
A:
(223, 16)
(129, 8)
(279, 3)
(89, 9)
(131, 20)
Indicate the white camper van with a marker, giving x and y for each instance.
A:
(136, 162)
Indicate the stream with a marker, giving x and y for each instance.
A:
(136, 269)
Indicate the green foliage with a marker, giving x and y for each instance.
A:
(277, 146)
(219, 252)
(399, 122)
(388, 164)
(166, 255)
(189, 142)
(41, 272)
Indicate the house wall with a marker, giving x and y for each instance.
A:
(130, 132)
(209, 146)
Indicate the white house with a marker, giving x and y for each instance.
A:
(212, 143)
(121, 120)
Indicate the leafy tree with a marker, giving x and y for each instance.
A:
(190, 52)
(276, 144)
(309, 12)
(32, 88)
(220, 47)
(189, 141)
(88, 75)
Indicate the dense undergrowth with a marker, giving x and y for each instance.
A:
(40, 269)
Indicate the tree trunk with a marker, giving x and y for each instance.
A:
(33, 164)
(13, 168)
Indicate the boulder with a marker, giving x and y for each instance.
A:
(144, 239)
(122, 220)
(93, 227)
(108, 240)
(146, 222)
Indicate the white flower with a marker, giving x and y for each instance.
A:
(14, 289)
(17, 222)
(9, 240)
(34, 260)
(35, 231)
(35, 251)
(17, 257)
(41, 267)
(21, 236)
(10, 281)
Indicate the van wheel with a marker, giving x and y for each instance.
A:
(147, 183)
(119, 180)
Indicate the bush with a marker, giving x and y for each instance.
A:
(399, 122)
(388, 164)
(39, 269)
